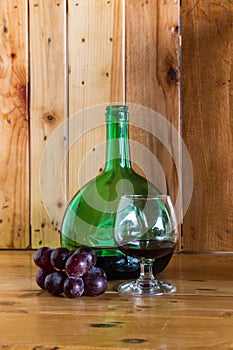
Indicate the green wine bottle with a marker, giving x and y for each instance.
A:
(90, 216)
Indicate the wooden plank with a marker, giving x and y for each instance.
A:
(153, 81)
(199, 277)
(207, 122)
(48, 112)
(198, 316)
(36, 302)
(95, 78)
(115, 332)
(14, 175)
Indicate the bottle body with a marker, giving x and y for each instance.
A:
(90, 216)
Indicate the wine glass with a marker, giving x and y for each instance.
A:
(146, 228)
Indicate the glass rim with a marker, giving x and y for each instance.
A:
(146, 197)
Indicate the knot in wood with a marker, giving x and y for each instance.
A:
(49, 118)
(172, 76)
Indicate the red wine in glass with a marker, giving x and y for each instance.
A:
(148, 248)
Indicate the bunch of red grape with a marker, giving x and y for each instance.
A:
(71, 273)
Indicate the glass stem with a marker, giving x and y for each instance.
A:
(146, 271)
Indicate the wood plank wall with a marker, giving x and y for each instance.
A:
(208, 122)
(85, 53)
(95, 77)
(14, 130)
(152, 41)
(48, 110)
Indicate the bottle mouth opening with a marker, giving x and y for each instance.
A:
(117, 108)
(117, 113)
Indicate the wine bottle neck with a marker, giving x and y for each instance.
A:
(117, 153)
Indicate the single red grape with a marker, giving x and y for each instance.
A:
(40, 277)
(73, 287)
(96, 271)
(77, 265)
(42, 258)
(59, 257)
(90, 254)
(54, 282)
(94, 284)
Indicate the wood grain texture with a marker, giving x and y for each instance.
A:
(197, 316)
(14, 130)
(95, 77)
(48, 112)
(208, 122)
(153, 81)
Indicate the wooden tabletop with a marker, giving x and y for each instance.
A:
(198, 316)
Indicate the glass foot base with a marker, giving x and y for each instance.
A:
(156, 288)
